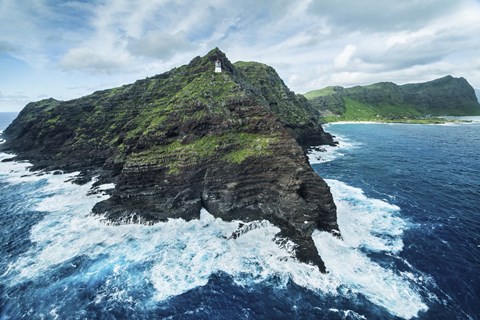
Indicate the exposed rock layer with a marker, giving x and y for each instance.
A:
(187, 139)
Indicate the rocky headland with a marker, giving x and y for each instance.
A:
(386, 101)
(231, 142)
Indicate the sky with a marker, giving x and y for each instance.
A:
(66, 49)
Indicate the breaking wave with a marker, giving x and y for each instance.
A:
(325, 153)
(369, 226)
(171, 258)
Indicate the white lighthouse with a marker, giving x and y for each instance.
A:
(218, 66)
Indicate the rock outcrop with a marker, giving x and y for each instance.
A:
(230, 142)
(447, 96)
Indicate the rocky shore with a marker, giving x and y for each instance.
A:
(232, 142)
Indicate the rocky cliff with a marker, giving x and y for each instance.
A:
(447, 96)
(189, 138)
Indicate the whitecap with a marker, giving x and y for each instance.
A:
(12, 171)
(177, 256)
(347, 314)
(368, 225)
(183, 255)
(325, 153)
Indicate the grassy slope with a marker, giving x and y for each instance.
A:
(134, 122)
(357, 111)
(319, 93)
(387, 102)
(268, 86)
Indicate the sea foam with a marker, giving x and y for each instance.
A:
(368, 225)
(177, 256)
(325, 153)
(182, 254)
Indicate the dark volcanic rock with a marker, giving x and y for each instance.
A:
(187, 139)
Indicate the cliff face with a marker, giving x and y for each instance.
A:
(445, 96)
(294, 111)
(187, 139)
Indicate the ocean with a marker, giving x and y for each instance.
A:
(408, 199)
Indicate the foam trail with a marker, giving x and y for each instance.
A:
(177, 256)
(325, 153)
(181, 255)
(13, 171)
(368, 225)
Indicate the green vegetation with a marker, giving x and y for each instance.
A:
(249, 145)
(356, 110)
(269, 89)
(431, 120)
(177, 155)
(388, 102)
(53, 120)
(209, 89)
(319, 93)
(176, 120)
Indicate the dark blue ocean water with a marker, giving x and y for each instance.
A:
(408, 208)
(433, 174)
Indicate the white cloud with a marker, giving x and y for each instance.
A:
(342, 60)
(12, 102)
(158, 44)
(374, 15)
(312, 44)
(7, 47)
(87, 59)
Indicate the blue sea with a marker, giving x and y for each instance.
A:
(408, 199)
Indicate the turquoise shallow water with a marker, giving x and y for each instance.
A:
(407, 198)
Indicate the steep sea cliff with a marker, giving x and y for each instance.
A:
(409, 246)
(230, 142)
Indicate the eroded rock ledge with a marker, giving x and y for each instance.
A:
(189, 138)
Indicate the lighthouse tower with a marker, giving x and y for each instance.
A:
(218, 66)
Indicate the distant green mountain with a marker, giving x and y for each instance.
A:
(447, 96)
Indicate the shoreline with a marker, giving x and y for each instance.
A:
(437, 121)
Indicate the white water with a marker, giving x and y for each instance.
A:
(329, 153)
(178, 256)
(473, 119)
(183, 254)
(368, 225)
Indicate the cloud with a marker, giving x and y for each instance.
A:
(342, 60)
(12, 102)
(7, 47)
(87, 59)
(433, 43)
(373, 15)
(159, 45)
(311, 43)
(18, 96)
(447, 43)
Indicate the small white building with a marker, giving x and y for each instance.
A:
(218, 66)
